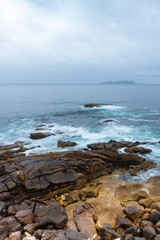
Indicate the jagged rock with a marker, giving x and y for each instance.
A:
(91, 192)
(63, 144)
(149, 233)
(11, 210)
(25, 217)
(141, 150)
(91, 105)
(15, 236)
(57, 173)
(51, 213)
(133, 212)
(144, 166)
(39, 135)
(82, 207)
(155, 217)
(73, 196)
(30, 228)
(134, 230)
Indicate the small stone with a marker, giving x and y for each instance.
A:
(128, 237)
(137, 221)
(134, 230)
(147, 210)
(63, 197)
(108, 234)
(133, 212)
(26, 234)
(91, 192)
(145, 202)
(30, 228)
(157, 237)
(120, 231)
(25, 217)
(146, 223)
(15, 236)
(73, 197)
(155, 217)
(157, 206)
(11, 210)
(123, 223)
(29, 238)
(149, 233)
(20, 175)
(146, 216)
(3, 206)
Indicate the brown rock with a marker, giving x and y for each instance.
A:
(133, 212)
(157, 206)
(146, 216)
(143, 167)
(137, 221)
(141, 150)
(109, 217)
(63, 144)
(145, 202)
(25, 216)
(39, 135)
(91, 192)
(9, 224)
(30, 228)
(3, 206)
(73, 196)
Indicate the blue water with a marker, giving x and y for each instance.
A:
(135, 110)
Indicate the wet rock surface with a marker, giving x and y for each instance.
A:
(64, 144)
(91, 105)
(40, 135)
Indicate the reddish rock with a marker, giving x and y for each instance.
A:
(145, 202)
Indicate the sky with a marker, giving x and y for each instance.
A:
(76, 41)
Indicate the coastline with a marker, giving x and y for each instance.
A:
(85, 179)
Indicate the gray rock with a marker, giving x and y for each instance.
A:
(149, 233)
(155, 217)
(133, 212)
(25, 216)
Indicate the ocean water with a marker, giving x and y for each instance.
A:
(135, 110)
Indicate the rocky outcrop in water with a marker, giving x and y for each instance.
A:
(64, 144)
(91, 105)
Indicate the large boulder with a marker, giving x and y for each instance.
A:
(51, 213)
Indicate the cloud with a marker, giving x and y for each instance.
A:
(109, 35)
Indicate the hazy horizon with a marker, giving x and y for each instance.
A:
(75, 42)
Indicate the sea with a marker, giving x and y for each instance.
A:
(134, 109)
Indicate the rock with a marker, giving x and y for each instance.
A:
(108, 234)
(141, 150)
(144, 166)
(146, 223)
(54, 235)
(20, 176)
(149, 233)
(2, 168)
(9, 225)
(73, 197)
(128, 237)
(29, 238)
(91, 192)
(108, 120)
(39, 135)
(157, 206)
(82, 207)
(157, 237)
(91, 105)
(109, 217)
(137, 221)
(145, 202)
(155, 217)
(133, 212)
(51, 213)
(72, 235)
(11, 210)
(30, 228)
(63, 144)
(15, 236)
(134, 230)
(3, 206)
(25, 217)
(85, 225)
(146, 216)
(123, 223)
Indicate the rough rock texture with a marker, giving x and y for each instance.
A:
(143, 167)
(55, 173)
(141, 150)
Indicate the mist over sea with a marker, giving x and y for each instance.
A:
(134, 109)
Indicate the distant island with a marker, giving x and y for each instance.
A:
(120, 82)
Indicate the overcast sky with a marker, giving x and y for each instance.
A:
(76, 41)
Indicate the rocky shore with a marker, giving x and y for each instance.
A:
(75, 195)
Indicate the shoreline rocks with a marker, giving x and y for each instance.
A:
(64, 144)
(91, 105)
